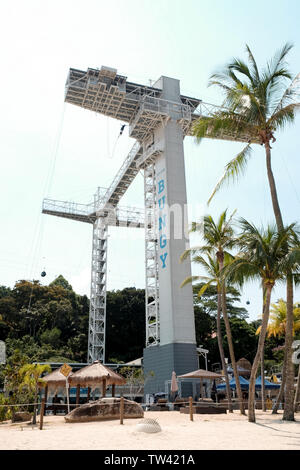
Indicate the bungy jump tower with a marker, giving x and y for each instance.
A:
(159, 118)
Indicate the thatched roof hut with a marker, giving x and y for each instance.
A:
(54, 380)
(96, 375)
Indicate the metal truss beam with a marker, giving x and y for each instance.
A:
(124, 177)
(120, 216)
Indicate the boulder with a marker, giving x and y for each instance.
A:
(104, 408)
(21, 416)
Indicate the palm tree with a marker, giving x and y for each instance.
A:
(211, 266)
(277, 323)
(30, 375)
(218, 238)
(291, 266)
(257, 103)
(263, 257)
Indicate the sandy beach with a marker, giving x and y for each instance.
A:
(212, 432)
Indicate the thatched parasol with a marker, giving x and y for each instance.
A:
(200, 374)
(95, 375)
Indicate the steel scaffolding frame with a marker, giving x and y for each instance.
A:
(151, 258)
(97, 317)
(101, 215)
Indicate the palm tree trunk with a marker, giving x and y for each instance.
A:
(288, 414)
(297, 394)
(263, 392)
(260, 346)
(275, 203)
(34, 408)
(221, 350)
(286, 372)
(231, 350)
(281, 390)
(262, 367)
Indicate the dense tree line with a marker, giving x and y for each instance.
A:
(46, 323)
(50, 323)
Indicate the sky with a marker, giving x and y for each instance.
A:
(52, 149)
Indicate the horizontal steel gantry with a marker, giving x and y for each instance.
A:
(106, 92)
(120, 216)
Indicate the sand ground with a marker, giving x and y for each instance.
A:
(178, 433)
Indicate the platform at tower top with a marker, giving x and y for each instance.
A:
(106, 92)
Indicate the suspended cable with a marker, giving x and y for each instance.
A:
(116, 141)
(36, 245)
(48, 185)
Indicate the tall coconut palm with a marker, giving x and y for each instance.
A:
(211, 267)
(218, 238)
(291, 266)
(262, 257)
(257, 104)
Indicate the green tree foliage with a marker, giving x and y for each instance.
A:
(125, 330)
(62, 282)
(15, 393)
(243, 333)
(55, 329)
(30, 377)
(44, 322)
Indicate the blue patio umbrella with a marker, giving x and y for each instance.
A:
(244, 384)
(268, 385)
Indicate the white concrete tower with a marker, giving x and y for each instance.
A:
(176, 346)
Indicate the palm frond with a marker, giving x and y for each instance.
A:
(233, 169)
(210, 266)
(255, 71)
(290, 95)
(190, 251)
(205, 287)
(190, 279)
(283, 116)
(241, 67)
(277, 63)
